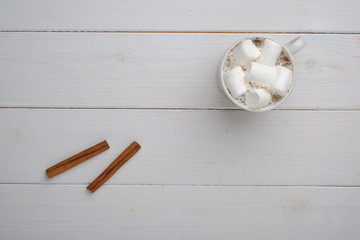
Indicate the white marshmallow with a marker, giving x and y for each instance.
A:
(246, 52)
(270, 52)
(234, 81)
(282, 81)
(257, 98)
(262, 74)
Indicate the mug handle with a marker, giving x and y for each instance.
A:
(296, 44)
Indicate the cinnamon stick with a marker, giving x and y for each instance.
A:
(114, 166)
(77, 159)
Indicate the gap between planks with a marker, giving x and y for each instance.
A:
(188, 185)
(190, 32)
(180, 109)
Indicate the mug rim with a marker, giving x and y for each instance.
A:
(233, 99)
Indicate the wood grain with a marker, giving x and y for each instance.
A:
(101, 70)
(179, 212)
(186, 15)
(224, 147)
(144, 56)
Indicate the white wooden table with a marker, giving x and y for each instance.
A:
(73, 73)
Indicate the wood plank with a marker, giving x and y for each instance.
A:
(160, 70)
(186, 15)
(223, 147)
(179, 212)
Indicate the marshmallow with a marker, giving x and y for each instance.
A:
(262, 74)
(257, 98)
(282, 81)
(234, 81)
(270, 52)
(246, 52)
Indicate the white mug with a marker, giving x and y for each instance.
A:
(289, 48)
